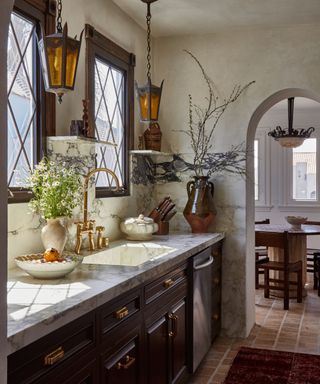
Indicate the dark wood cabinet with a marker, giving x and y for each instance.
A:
(166, 337)
(179, 341)
(140, 337)
(156, 348)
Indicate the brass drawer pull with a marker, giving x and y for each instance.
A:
(168, 283)
(174, 319)
(128, 361)
(54, 356)
(121, 313)
(216, 316)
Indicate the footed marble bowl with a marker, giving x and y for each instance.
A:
(296, 221)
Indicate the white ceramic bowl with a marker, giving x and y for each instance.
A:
(35, 266)
(296, 221)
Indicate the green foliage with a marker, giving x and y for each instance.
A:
(57, 189)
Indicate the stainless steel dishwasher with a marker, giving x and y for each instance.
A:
(201, 267)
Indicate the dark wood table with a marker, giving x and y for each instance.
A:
(297, 247)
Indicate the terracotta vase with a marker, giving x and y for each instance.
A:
(200, 210)
(54, 234)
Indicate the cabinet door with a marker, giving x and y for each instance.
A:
(157, 348)
(178, 340)
(123, 366)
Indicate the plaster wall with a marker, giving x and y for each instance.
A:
(111, 21)
(276, 59)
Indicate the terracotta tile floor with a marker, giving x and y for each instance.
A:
(295, 330)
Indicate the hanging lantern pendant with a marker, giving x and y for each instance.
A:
(290, 138)
(59, 58)
(149, 95)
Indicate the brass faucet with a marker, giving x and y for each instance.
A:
(87, 226)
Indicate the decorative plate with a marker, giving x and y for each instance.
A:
(35, 265)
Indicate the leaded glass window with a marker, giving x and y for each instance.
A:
(109, 118)
(22, 105)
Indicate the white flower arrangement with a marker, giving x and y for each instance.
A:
(57, 189)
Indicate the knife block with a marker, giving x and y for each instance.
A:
(163, 228)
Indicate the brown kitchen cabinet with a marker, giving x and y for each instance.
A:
(166, 337)
(140, 337)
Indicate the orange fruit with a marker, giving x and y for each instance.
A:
(51, 254)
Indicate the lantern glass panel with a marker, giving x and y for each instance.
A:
(71, 62)
(144, 106)
(54, 55)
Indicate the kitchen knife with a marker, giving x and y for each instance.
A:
(167, 210)
(170, 215)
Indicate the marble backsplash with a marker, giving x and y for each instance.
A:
(24, 228)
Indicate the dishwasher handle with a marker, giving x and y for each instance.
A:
(204, 265)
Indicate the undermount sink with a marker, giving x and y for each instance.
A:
(129, 254)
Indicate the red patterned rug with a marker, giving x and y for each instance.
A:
(261, 366)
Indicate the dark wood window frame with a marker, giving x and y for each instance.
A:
(99, 46)
(41, 12)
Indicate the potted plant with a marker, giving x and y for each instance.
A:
(200, 210)
(57, 190)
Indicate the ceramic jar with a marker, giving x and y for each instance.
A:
(54, 234)
(200, 211)
(139, 228)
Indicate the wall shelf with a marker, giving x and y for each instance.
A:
(80, 139)
(149, 152)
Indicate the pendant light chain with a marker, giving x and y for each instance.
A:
(59, 18)
(149, 44)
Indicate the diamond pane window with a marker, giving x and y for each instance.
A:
(22, 106)
(109, 118)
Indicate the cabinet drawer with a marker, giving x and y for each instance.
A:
(56, 349)
(165, 283)
(123, 365)
(119, 311)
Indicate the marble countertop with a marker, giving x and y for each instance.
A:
(38, 307)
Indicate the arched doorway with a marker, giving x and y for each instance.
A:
(250, 206)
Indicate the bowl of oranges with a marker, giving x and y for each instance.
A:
(48, 265)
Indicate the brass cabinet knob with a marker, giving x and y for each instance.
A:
(121, 313)
(168, 283)
(54, 356)
(174, 318)
(216, 316)
(128, 361)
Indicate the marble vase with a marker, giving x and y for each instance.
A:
(54, 234)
